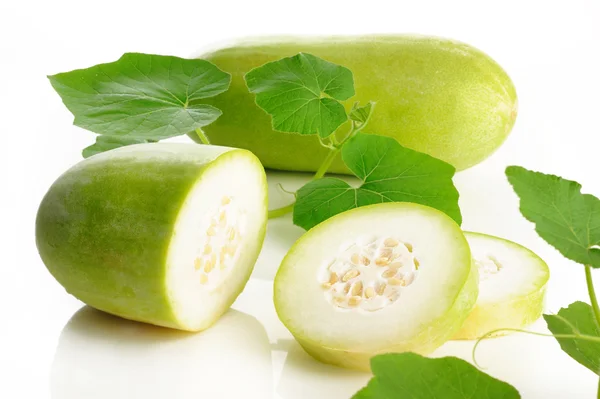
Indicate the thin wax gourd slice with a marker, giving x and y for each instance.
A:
(393, 277)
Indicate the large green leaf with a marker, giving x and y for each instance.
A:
(301, 92)
(389, 173)
(577, 318)
(142, 96)
(411, 376)
(563, 216)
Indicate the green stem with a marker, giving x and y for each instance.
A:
(592, 293)
(202, 136)
(334, 140)
(275, 213)
(326, 164)
(594, 300)
(353, 130)
(581, 337)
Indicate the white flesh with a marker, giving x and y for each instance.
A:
(235, 185)
(520, 272)
(437, 243)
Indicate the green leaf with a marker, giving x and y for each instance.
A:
(565, 218)
(390, 173)
(412, 376)
(106, 143)
(142, 96)
(361, 115)
(578, 318)
(301, 92)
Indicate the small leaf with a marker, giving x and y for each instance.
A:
(361, 115)
(565, 218)
(107, 143)
(301, 92)
(390, 173)
(142, 96)
(412, 376)
(577, 318)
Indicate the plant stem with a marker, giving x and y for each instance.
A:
(576, 336)
(202, 136)
(592, 293)
(275, 213)
(326, 164)
(594, 301)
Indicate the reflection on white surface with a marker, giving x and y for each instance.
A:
(297, 375)
(281, 235)
(101, 356)
(303, 377)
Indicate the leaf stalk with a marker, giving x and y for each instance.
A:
(335, 150)
(275, 213)
(203, 138)
(594, 301)
(592, 293)
(582, 337)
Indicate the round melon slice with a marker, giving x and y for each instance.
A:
(162, 233)
(391, 277)
(512, 285)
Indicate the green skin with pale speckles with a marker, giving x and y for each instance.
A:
(433, 95)
(104, 228)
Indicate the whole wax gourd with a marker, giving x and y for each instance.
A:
(434, 95)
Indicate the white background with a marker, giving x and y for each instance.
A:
(550, 49)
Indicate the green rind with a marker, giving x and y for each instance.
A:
(516, 313)
(431, 337)
(104, 227)
(433, 95)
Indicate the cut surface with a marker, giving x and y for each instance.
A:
(512, 284)
(375, 279)
(216, 239)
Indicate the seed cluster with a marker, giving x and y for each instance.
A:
(370, 273)
(222, 241)
(487, 267)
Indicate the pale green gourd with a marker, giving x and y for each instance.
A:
(434, 95)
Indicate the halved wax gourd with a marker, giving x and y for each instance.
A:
(162, 233)
(512, 285)
(392, 277)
